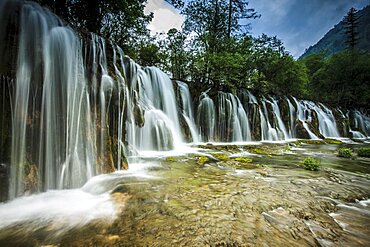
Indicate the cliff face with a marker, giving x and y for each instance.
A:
(334, 40)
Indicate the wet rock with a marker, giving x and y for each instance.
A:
(301, 131)
(139, 115)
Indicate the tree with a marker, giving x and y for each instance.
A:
(343, 80)
(177, 55)
(122, 21)
(351, 24)
(238, 10)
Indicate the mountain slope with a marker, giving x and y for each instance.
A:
(334, 40)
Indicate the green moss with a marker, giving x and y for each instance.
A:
(333, 141)
(311, 164)
(202, 160)
(243, 159)
(364, 152)
(307, 141)
(221, 156)
(170, 159)
(260, 151)
(345, 152)
(260, 165)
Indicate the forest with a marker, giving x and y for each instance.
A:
(215, 50)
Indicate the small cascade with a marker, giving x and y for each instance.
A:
(292, 117)
(187, 110)
(161, 130)
(233, 122)
(304, 116)
(361, 124)
(206, 118)
(272, 125)
(327, 125)
(280, 124)
(268, 132)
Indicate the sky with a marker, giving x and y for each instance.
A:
(298, 23)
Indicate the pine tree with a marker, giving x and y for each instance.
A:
(351, 24)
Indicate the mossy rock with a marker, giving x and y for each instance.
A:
(170, 159)
(241, 165)
(308, 141)
(202, 160)
(333, 141)
(244, 160)
(221, 156)
(262, 151)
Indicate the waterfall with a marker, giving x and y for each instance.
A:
(187, 110)
(233, 124)
(206, 116)
(280, 124)
(161, 130)
(50, 96)
(80, 107)
(327, 125)
(292, 117)
(304, 116)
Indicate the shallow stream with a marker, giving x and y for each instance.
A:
(265, 198)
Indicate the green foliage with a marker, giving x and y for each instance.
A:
(345, 152)
(343, 79)
(311, 164)
(364, 152)
(122, 22)
(149, 55)
(336, 39)
(351, 25)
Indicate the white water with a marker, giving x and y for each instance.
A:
(187, 110)
(206, 118)
(71, 115)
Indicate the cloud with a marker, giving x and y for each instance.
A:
(165, 16)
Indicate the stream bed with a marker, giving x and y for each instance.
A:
(206, 197)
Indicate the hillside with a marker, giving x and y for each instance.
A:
(334, 40)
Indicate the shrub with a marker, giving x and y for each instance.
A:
(345, 152)
(311, 164)
(364, 152)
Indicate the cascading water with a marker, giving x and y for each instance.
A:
(268, 132)
(206, 118)
(187, 110)
(80, 107)
(233, 124)
(327, 125)
(292, 117)
(53, 72)
(304, 116)
(161, 130)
